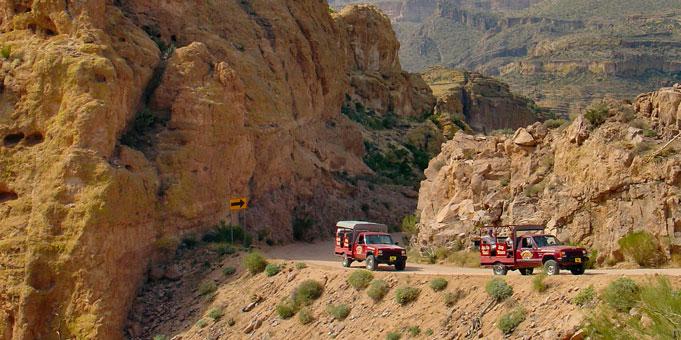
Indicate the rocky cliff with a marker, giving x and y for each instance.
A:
(589, 183)
(128, 124)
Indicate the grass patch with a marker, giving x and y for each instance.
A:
(498, 289)
(160, 337)
(272, 269)
(215, 314)
(393, 336)
(538, 283)
(6, 51)
(597, 114)
(207, 287)
(377, 290)
(228, 271)
(305, 316)
(360, 279)
(414, 331)
(554, 123)
(621, 294)
(224, 249)
(438, 284)
(286, 309)
(339, 311)
(301, 265)
(405, 295)
(585, 296)
(255, 263)
(306, 292)
(201, 323)
(225, 233)
(642, 247)
(649, 133)
(511, 320)
(464, 258)
(451, 298)
(409, 224)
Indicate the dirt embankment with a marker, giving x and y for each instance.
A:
(179, 304)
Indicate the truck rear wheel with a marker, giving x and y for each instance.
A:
(499, 269)
(400, 265)
(346, 261)
(579, 270)
(371, 262)
(551, 267)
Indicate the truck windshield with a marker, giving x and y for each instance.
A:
(379, 239)
(546, 241)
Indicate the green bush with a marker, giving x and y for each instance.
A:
(6, 51)
(286, 309)
(393, 336)
(621, 294)
(224, 249)
(227, 271)
(438, 284)
(360, 279)
(215, 314)
(272, 269)
(659, 303)
(301, 265)
(224, 233)
(585, 296)
(160, 337)
(538, 283)
(377, 290)
(207, 287)
(201, 323)
(414, 331)
(593, 257)
(339, 312)
(642, 247)
(498, 289)
(255, 263)
(510, 321)
(409, 224)
(451, 298)
(305, 316)
(554, 123)
(649, 133)
(405, 295)
(306, 292)
(597, 114)
(429, 332)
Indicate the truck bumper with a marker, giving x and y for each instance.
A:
(573, 262)
(391, 259)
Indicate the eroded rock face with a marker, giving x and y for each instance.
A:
(587, 185)
(126, 125)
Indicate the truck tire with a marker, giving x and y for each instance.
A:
(371, 262)
(551, 267)
(400, 265)
(346, 261)
(499, 269)
(579, 270)
(526, 271)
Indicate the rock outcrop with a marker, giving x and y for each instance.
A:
(588, 184)
(128, 124)
(483, 103)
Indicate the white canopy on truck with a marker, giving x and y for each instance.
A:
(361, 225)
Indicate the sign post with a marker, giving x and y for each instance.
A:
(238, 205)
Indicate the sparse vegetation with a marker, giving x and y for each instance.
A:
(534, 190)
(207, 288)
(649, 133)
(215, 314)
(137, 135)
(6, 51)
(225, 233)
(510, 321)
(301, 265)
(231, 322)
(554, 123)
(360, 279)
(538, 283)
(451, 298)
(201, 323)
(339, 311)
(301, 226)
(406, 294)
(429, 332)
(393, 336)
(160, 337)
(306, 292)
(377, 290)
(642, 247)
(286, 309)
(585, 296)
(255, 263)
(224, 249)
(438, 284)
(597, 114)
(464, 258)
(228, 271)
(414, 331)
(593, 257)
(409, 224)
(272, 269)
(305, 316)
(498, 289)
(621, 294)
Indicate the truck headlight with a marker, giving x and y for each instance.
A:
(584, 252)
(404, 253)
(380, 252)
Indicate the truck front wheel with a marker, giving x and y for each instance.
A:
(499, 269)
(346, 261)
(579, 270)
(371, 262)
(551, 267)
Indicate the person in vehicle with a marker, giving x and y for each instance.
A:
(491, 240)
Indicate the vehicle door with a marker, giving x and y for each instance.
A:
(527, 254)
(360, 248)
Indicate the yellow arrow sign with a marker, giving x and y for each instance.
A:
(238, 203)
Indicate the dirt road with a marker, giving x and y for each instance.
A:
(321, 254)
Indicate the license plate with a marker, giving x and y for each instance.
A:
(393, 258)
(578, 260)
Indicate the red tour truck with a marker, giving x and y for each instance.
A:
(369, 242)
(525, 247)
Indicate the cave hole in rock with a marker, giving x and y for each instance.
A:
(34, 139)
(13, 139)
(7, 195)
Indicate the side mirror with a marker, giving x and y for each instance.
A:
(397, 243)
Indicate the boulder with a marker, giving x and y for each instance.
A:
(523, 138)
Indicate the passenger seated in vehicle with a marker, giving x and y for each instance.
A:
(509, 247)
(491, 240)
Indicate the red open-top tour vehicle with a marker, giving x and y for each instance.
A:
(525, 247)
(368, 242)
